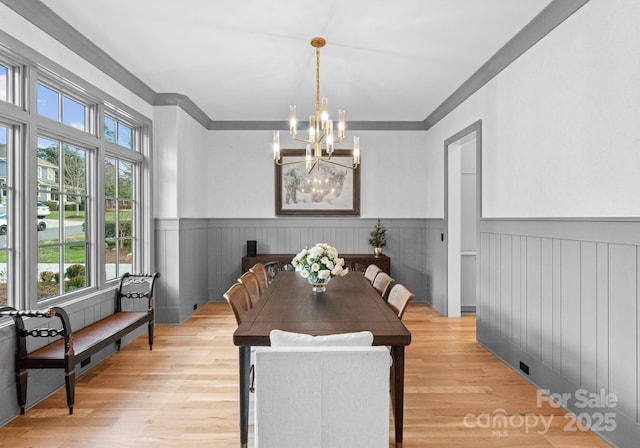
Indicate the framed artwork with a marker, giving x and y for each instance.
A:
(328, 190)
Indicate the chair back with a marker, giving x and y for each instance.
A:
(371, 272)
(238, 298)
(272, 268)
(317, 397)
(381, 284)
(263, 276)
(399, 298)
(250, 281)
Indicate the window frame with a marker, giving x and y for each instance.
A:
(15, 79)
(35, 68)
(77, 95)
(15, 138)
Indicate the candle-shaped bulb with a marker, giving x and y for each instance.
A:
(356, 151)
(341, 124)
(312, 128)
(276, 145)
(330, 137)
(308, 159)
(324, 116)
(292, 120)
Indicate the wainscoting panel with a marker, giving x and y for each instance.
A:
(436, 265)
(406, 245)
(623, 315)
(562, 297)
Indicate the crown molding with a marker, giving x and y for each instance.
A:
(185, 103)
(546, 21)
(284, 125)
(48, 21)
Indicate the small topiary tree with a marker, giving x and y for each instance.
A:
(378, 237)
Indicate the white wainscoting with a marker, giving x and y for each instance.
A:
(562, 297)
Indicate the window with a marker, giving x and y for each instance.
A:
(62, 108)
(4, 83)
(5, 253)
(78, 222)
(63, 251)
(120, 216)
(117, 132)
(10, 81)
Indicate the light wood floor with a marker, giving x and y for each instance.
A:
(185, 393)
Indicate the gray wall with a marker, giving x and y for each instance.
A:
(405, 245)
(200, 258)
(183, 259)
(562, 297)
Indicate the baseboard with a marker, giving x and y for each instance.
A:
(621, 431)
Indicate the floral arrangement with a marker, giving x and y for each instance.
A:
(319, 264)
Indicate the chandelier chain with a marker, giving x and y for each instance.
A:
(317, 87)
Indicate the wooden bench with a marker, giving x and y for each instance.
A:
(70, 347)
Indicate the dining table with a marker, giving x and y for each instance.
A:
(349, 304)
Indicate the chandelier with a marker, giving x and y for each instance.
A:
(321, 141)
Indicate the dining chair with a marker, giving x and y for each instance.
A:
(288, 267)
(359, 267)
(322, 396)
(238, 298)
(381, 284)
(263, 276)
(399, 298)
(272, 268)
(250, 281)
(371, 272)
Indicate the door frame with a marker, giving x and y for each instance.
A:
(477, 128)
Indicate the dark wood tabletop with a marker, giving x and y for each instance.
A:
(349, 304)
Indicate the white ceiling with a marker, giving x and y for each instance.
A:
(250, 59)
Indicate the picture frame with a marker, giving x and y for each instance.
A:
(294, 195)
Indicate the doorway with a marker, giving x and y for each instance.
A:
(463, 162)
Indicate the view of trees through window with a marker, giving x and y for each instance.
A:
(119, 217)
(118, 132)
(63, 247)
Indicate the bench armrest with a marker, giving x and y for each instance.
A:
(22, 332)
(136, 286)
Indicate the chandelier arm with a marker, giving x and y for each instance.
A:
(303, 140)
(280, 163)
(351, 167)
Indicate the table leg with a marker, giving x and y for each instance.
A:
(398, 391)
(245, 366)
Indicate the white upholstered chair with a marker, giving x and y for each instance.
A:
(324, 396)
